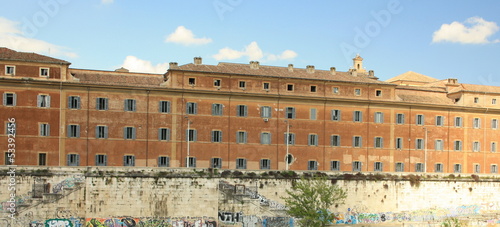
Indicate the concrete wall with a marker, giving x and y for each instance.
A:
(178, 197)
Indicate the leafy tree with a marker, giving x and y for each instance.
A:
(309, 200)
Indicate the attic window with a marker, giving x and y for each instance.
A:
(313, 88)
(44, 72)
(10, 70)
(289, 87)
(378, 93)
(494, 101)
(216, 83)
(192, 81)
(357, 92)
(476, 100)
(243, 84)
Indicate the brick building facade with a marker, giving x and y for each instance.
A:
(236, 116)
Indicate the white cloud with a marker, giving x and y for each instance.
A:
(253, 52)
(184, 36)
(107, 1)
(11, 36)
(475, 30)
(134, 64)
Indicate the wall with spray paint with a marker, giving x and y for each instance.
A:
(147, 197)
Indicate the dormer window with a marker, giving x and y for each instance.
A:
(243, 84)
(192, 81)
(44, 72)
(10, 70)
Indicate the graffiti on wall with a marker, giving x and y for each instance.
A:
(253, 220)
(152, 222)
(67, 183)
(243, 190)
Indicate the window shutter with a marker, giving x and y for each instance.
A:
(262, 139)
(293, 113)
(78, 131)
(78, 105)
(160, 130)
(97, 103)
(168, 134)
(125, 160)
(133, 160)
(160, 110)
(246, 110)
(195, 108)
(238, 110)
(68, 131)
(381, 142)
(194, 162)
(124, 132)
(213, 112)
(48, 101)
(38, 100)
(262, 164)
(133, 133)
(77, 156)
(48, 130)
(244, 163)
(195, 135)
(70, 99)
(159, 162)
(353, 141)
(381, 117)
(4, 99)
(68, 160)
(293, 138)
(134, 106)
(97, 132)
(125, 105)
(105, 132)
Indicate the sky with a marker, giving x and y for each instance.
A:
(442, 39)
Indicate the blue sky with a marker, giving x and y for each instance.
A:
(441, 39)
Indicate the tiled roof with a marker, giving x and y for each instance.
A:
(8, 54)
(117, 78)
(412, 76)
(410, 95)
(475, 88)
(275, 71)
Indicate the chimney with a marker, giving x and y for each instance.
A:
(254, 64)
(197, 60)
(371, 73)
(290, 67)
(354, 72)
(310, 69)
(122, 70)
(333, 71)
(172, 65)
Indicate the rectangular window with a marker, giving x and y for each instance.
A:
(192, 162)
(356, 141)
(44, 129)
(164, 106)
(356, 166)
(439, 145)
(266, 86)
(241, 163)
(313, 140)
(494, 123)
(290, 113)
(399, 143)
(357, 92)
(216, 83)
(291, 139)
(241, 137)
(163, 161)
(438, 168)
(477, 168)
(476, 146)
(73, 131)
(216, 163)
(378, 93)
(493, 147)
(10, 70)
(128, 160)
(9, 99)
(101, 160)
(217, 109)
(378, 166)
(289, 87)
(312, 114)
(265, 111)
(400, 119)
(73, 102)
(335, 165)
(494, 168)
(379, 117)
(242, 84)
(43, 101)
(420, 119)
(9, 158)
(191, 108)
(129, 133)
(101, 104)
(458, 121)
(335, 90)
(265, 164)
(129, 105)
(73, 160)
(439, 120)
(400, 167)
(44, 72)
(241, 110)
(335, 141)
(42, 159)
(476, 123)
(313, 88)
(494, 101)
(358, 116)
(164, 134)
(457, 145)
(192, 81)
(457, 168)
(265, 138)
(476, 100)
(101, 132)
(216, 136)
(312, 165)
(419, 167)
(419, 144)
(335, 115)
(379, 142)
(191, 135)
